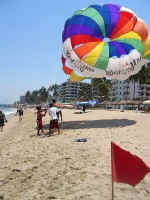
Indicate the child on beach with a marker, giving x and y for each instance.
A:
(40, 115)
(2, 120)
(53, 119)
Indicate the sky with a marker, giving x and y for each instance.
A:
(31, 43)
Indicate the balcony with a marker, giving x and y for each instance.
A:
(126, 93)
(141, 94)
(141, 88)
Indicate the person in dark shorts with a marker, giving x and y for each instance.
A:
(20, 113)
(53, 119)
(2, 120)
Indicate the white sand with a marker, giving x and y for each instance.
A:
(44, 168)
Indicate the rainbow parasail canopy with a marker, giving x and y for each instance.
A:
(104, 41)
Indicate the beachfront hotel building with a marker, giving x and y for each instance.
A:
(68, 91)
(129, 90)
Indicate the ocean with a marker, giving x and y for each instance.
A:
(8, 111)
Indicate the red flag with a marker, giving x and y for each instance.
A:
(126, 167)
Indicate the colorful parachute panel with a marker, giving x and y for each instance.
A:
(105, 41)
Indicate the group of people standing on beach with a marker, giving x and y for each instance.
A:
(55, 115)
(20, 113)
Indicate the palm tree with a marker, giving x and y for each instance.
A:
(43, 94)
(101, 86)
(84, 93)
(28, 97)
(54, 89)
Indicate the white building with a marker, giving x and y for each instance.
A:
(129, 90)
(69, 90)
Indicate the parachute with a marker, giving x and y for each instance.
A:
(147, 48)
(104, 41)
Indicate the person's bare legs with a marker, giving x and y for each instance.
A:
(42, 131)
(38, 131)
(51, 131)
(58, 128)
(1, 128)
(38, 128)
(20, 118)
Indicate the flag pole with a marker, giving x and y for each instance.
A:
(112, 182)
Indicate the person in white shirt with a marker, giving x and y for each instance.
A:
(59, 112)
(53, 119)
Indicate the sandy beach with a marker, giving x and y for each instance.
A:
(58, 167)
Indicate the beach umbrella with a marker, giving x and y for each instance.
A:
(104, 41)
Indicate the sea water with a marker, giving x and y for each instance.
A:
(8, 111)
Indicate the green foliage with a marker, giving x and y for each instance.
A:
(28, 97)
(102, 86)
(84, 93)
(42, 95)
(37, 96)
(54, 89)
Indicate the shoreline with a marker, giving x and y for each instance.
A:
(7, 112)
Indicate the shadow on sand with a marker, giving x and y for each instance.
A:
(105, 123)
